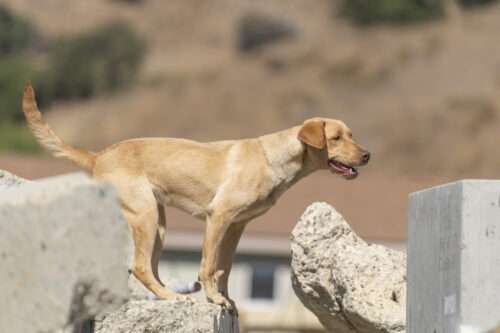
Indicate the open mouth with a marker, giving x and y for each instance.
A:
(346, 171)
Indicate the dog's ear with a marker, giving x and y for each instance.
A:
(312, 133)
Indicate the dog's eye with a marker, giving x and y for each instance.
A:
(336, 137)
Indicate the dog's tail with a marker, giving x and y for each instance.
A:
(47, 138)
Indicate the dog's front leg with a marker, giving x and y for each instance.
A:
(216, 227)
(225, 258)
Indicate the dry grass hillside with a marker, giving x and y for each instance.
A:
(425, 99)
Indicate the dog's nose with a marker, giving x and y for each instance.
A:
(365, 157)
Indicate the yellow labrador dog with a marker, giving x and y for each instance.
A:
(226, 183)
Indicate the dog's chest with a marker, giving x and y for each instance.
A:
(264, 202)
(255, 209)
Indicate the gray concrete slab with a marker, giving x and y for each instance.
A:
(454, 257)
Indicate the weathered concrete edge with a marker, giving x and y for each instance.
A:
(37, 190)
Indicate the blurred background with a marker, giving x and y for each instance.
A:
(418, 81)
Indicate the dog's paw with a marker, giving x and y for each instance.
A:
(183, 298)
(168, 295)
(227, 304)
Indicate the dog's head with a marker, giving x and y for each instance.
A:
(331, 146)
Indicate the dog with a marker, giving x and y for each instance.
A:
(225, 183)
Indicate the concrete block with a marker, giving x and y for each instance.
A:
(8, 180)
(454, 257)
(64, 252)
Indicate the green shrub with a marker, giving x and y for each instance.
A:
(257, 30)
(15, 32)
(391, 11)
(102, 60)
(18, 138)
(14, 72)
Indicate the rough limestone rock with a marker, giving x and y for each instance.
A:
(64, 252)
(350, 285)
(168, 317)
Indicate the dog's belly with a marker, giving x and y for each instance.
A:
(181, 202)
(187, 206)
(199, 211)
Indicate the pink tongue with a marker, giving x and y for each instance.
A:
(345, 168)
(348, 172)
(342, 167)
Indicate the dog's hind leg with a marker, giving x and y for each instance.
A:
(141, 212)
(157, 251)
(144, 228)
(159, 242)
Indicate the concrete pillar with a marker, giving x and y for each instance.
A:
(454, 257)
(64, 253)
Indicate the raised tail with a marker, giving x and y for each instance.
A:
(47, 138)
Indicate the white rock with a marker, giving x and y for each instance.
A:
(168, 317)
(350, 285)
